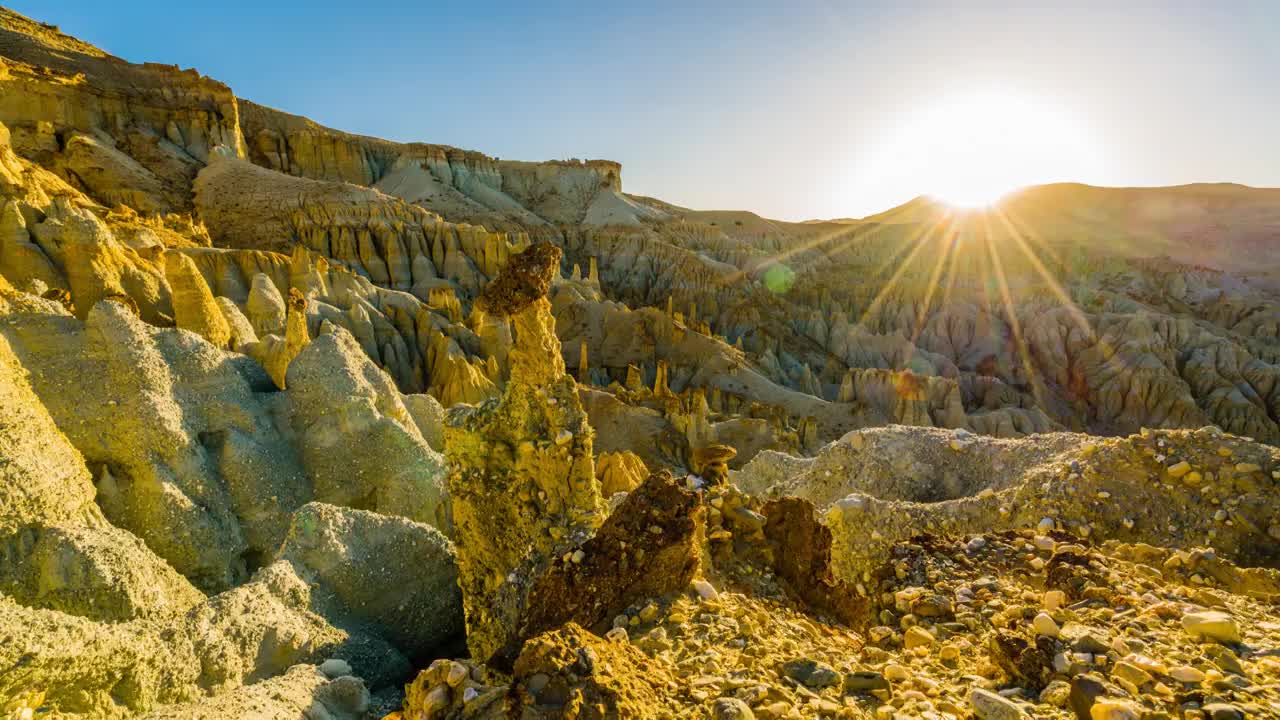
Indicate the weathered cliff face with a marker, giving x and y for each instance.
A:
(464, 185)
(126, 134)
(273, 394)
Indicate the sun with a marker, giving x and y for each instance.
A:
(970, 148)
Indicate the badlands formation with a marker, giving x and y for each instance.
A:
(302, 424)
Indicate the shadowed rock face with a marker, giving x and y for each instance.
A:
(647, 548)
(801, 549)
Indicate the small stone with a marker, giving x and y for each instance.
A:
(879, 633)
(1212, 625)
(777, 710)
(1186, 674)
(1223, 711)
(731, 708)
(1109, 709)
(648, 612)
(1054, 599)
(564, 437)
(811, 674)
(436, 700)
(456, 675)
(896, 673)
(1179, 469)
(949, 653)
(1045, 625)
(990, 706)
(917, 636)
(705, 590)
(1131, 673)
(1085, 691)
(865, 681)
(1055, 693)
(335, 668)
(932, 606)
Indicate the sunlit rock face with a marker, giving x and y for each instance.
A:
(522, 476)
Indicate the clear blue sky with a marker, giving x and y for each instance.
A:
(794, 109)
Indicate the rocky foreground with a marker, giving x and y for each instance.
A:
(301, 424)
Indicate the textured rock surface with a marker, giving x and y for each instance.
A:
(186, 457)
(358, 442)
(648, 547)
(194, 308)
(255, 372)
(43, 477)
(359, 554)
(522, 478)
(301, 691)
(880, 486)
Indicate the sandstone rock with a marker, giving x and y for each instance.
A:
(43, 479)
(255, 631)
(94, 571)
(619, 472)
(241, 330)
(646, 548)
(185, 456)
(193, 304)
(358, 442)
(276, 353)
(358, 555)
(429, 415)
(990, 706)
(519, 501)
(299, 692)
(266, 307)
(1211, 625)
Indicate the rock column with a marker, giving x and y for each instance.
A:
(522, 479)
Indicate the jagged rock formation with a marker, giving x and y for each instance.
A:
(619, 472)
(194, 308)
(261, 381)
(463, 184)
(106, 627)
(522, 478)
(1180, 489)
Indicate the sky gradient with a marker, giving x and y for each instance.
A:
(793, 110)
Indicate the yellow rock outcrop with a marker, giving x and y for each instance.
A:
(522, 478)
